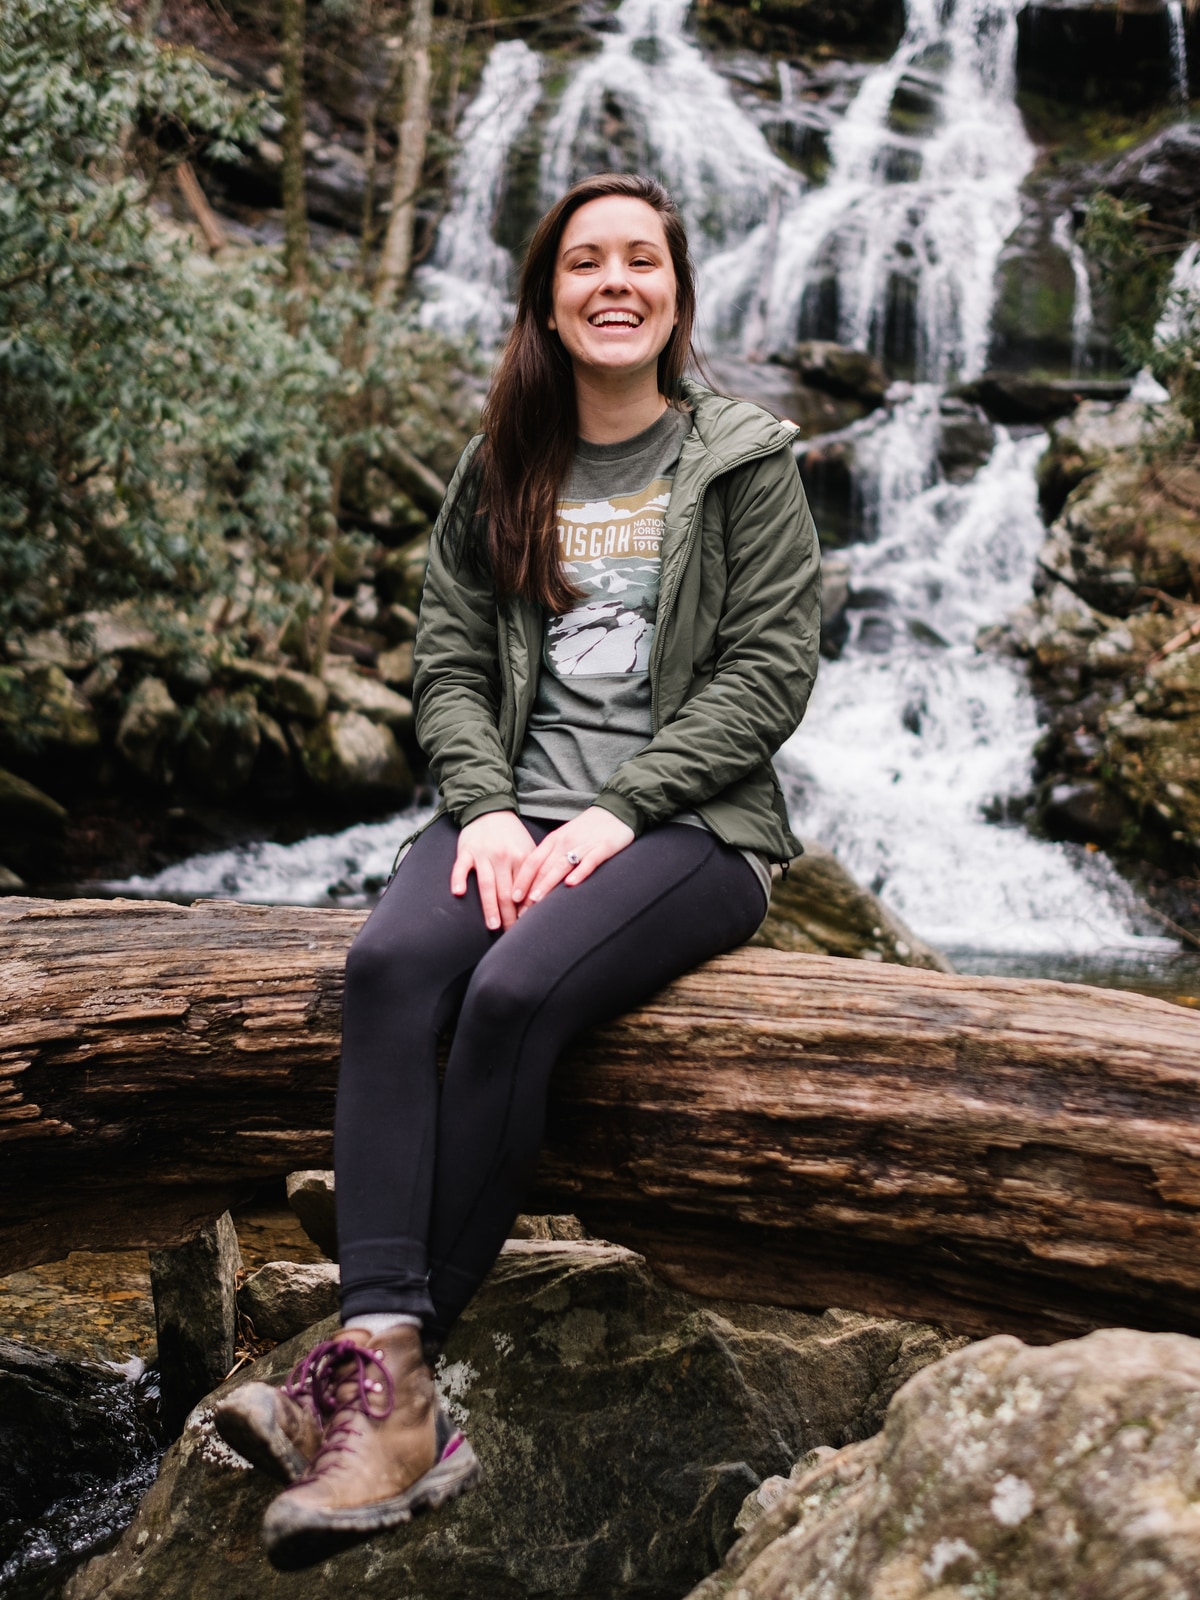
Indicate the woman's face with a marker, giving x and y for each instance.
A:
(614, 295)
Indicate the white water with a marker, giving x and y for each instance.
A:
(326, 869)
(1082, 316)
(940, 230)
(1179, 64)
(466, 287)
(907, 740)
(684, 125)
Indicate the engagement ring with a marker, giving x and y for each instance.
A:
(573, 857)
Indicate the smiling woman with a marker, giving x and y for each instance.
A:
(619, 627)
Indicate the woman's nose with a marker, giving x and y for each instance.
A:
(615, 276)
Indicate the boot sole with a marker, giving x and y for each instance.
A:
(253, 1432)
(301, 1538)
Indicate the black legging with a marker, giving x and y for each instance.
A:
(428, 1184)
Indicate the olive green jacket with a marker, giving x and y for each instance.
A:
(731, 666)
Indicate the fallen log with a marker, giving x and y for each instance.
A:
(993, 1154)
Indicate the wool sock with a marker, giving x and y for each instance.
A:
(383, 1321)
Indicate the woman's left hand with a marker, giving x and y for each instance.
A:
(594, 835)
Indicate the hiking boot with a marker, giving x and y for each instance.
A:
(389, 1450)
(277, 1430)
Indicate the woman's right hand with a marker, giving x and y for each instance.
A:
(493, 847)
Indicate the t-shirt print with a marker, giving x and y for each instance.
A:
(610, 549)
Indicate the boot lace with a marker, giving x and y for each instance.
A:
(337, 1377)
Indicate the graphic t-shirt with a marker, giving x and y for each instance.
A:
(592, 710)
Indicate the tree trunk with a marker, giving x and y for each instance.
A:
(994, 1154)
(295, 213)
(396, 258)
(206, 217)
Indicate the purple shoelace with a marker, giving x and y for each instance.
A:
(334, 1362)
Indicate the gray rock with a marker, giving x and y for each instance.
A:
(1010, 397)
(310, 1195)
(350, 758)
(841, 371)
(301, 695)
(195, 1310)
(283, 1298)
(149, 731)
(818, 909)
(835, 592)
(222, 743)
(1164, 174)
(965, 439)
(42, 708)
(350, 690)
(1001, 1470)
(620, 1425)
(396, 665)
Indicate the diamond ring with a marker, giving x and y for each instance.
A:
(573, 857)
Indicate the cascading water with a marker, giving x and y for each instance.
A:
(911, 733)
(680, 121)
(1082, 316)
(922, 192)
(1179, 61)
(466, 287)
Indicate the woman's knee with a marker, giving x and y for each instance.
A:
(379, 959)
(502, 996)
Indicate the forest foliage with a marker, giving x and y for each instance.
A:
(167, 424)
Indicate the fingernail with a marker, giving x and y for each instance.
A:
(535, 897)
(493, 923)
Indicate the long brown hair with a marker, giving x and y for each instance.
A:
(529, 419)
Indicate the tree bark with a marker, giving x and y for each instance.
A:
(396, 257)
(206, 217)
(295, 211)
(994, 1154)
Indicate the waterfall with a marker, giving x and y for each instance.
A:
(911, 734)
(467, 285)
(1179, 61)
(922, 192)
(1082, 315)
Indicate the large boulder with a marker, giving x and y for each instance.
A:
(43, 712)
(351, 690)
(352, 760)
(221, 746)
(620, 1425)
(148, 736)
(1164, 174)
(819, 909)
(1002, 1470)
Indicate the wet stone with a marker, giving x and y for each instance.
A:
(195, 1308)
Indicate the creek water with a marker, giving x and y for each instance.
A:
(913, 738)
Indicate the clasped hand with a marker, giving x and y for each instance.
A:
(514, 873)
